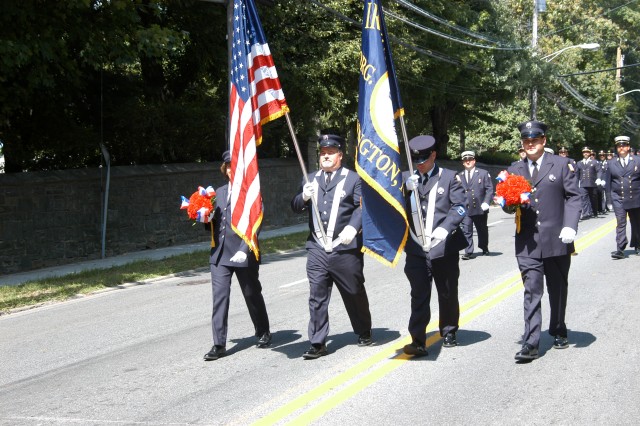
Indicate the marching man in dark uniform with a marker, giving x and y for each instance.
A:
(588, 176)
(231, 255)
(433, 256)
(602, 202)
(548, 227)
(624, 184)
(479, 192)
(338, 260)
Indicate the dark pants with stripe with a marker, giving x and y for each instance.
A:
(621, 225)
(345, 269)
(252, 292)
(534, 272)
(421, 272)
(592, 194)
(480, 222)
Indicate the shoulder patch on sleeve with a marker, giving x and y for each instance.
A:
(571, 167)
(461, 211)
(458, 178)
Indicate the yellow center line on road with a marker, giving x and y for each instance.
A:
(323, 398)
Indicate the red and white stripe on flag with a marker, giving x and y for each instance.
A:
(256, 98)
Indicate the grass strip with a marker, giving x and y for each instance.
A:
(68, 286)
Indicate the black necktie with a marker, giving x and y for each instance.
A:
(425, 178)
(534, 174)
(327, 178)
(468, 176)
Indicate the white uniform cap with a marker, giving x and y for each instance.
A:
(467, 154)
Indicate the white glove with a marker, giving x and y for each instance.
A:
(239, 257)
(438, 235)
(412, 182)
(347, 234)
(211, 216)
(599, 182)
(308, 191)
(567, 235)
(484, 207)
(610, 206)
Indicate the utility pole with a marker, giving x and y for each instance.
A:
(619, 64)
(534, 44)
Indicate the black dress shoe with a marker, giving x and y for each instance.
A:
(617, 254)
(637, 250)
(560, 342)
(216, 352)
(527, 353)
(264, 340)
(485, 252)
(365, 339)
(315, 351)
(466, 256)
(450, 340)
(416, 349)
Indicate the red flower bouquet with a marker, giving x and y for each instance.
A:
(200, 205)
(512, 191)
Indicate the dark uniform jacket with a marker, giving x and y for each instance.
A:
(478, 190)
(344, 188)
(624, 182)
(555, 204)
(227, 242)
(588, 173)
(448, 214)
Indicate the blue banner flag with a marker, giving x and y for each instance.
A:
(384, 220)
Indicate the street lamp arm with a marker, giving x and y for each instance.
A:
(618, 96)
(589, 46)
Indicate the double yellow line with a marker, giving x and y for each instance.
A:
(323, 398)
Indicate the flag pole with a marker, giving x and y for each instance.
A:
(417, 213)
(306, 179)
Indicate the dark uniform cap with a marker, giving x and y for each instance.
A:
(532, 129)
(586, 149)
(563, 149)
(609, 153)
(622, 139)
(421, 148)
(601, 152)
(226, 157)
(334, 141)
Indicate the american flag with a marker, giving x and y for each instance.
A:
(256, 98)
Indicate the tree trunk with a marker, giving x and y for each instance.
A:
(440, 118)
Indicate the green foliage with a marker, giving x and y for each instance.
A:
(148, 78)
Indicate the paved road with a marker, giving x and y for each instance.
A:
(134, 356)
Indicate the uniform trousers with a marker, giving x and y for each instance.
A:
(556, 272)
(421, 272)
(345, 269)
(252, 292)
(480, 222)
(592, 197)
(621, 225)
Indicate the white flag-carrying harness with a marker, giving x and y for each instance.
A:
(333, 216)
(428, 228)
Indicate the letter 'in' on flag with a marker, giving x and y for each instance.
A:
(384, 220)
(255, 98)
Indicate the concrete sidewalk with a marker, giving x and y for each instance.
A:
(155, 254)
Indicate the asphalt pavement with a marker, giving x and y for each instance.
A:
(123, 259)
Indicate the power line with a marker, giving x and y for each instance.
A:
(444, 22)
(428, 52)
(589, 18)
(597, 71)
(446, 36)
